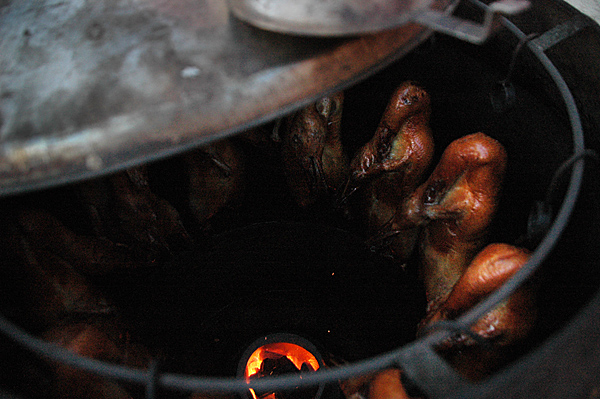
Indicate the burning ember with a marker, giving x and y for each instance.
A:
(278, 358)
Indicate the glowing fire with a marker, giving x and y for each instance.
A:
(300, 357)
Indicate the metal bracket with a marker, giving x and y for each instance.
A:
(468, 30)
(561, 32)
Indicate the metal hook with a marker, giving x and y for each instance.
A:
(470, 31)
(542, 213)
(503, 93)
(456, 328)
(564, 167)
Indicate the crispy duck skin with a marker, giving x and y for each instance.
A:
(86, 254)
(393, 147)
(456, 204)
(39, 288)
(503, 327)
(105, 341)
(67, 286)
(215, 179)
(387, 385)
(493, 266)
(147, 219)
(391, 166)
(123, 208)
(334, 159)
(313, 158)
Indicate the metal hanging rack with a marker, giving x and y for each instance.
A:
(422, 366)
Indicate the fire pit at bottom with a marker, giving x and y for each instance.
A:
(279, 354)
(202, 310)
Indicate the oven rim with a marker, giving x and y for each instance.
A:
(581, 325)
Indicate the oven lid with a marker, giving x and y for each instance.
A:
(92, 86)
(89, 87)
(330, 18)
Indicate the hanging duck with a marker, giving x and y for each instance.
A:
(502, 328)
(314, 161)
(456, 205)
(389, 168)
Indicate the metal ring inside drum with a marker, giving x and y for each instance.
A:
(403, 355)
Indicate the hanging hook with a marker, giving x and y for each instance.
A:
(564, 167)
(503, 93)
(456, 328)
(541, 215)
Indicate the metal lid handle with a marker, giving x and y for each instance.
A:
(468, 30)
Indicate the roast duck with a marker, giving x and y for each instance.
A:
(455, 207)
(387, 169)
(314, 159)
(405, 211)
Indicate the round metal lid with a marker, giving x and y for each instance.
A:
(327, 17)
(89, 87)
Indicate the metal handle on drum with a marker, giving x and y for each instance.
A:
(468, 30)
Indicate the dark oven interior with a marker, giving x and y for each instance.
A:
(264, 265)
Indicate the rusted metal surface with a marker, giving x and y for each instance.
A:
(89, 87)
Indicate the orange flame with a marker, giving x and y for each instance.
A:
(295, 353)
